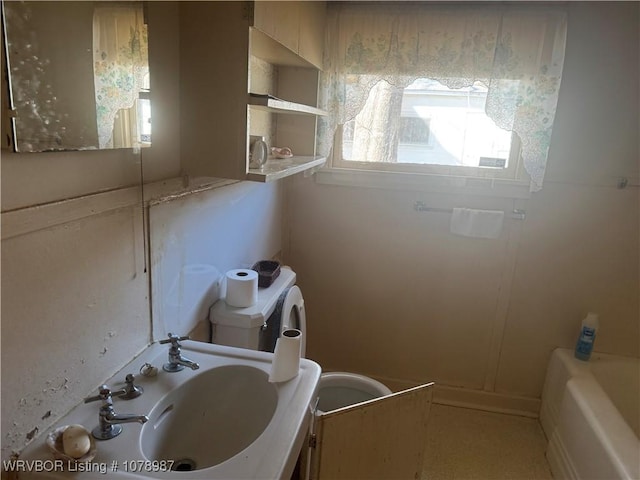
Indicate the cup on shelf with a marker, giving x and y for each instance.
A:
(258, 153)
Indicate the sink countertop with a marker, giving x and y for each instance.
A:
(272, 455)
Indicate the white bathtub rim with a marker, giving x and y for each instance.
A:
(618, 439)
(585, 369)
(581, 367)
(575, 368)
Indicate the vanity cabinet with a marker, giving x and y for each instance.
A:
(380, 438)
(221, 107)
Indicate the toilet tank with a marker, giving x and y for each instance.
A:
(241, 326)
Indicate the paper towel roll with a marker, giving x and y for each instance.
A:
(286, 357)
(242, 287)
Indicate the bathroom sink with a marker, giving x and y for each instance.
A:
(221, 421)
(212, 417)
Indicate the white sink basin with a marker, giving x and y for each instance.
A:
(222, 421)
(212, 417)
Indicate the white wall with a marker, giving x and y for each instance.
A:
(391, 293)
(197, 238)
(75, 282)
(75, 297)
(74, 309)
(580, 247)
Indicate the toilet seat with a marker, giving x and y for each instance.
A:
(340, 389)
(342, 379)
(288, 313)
(293, 315)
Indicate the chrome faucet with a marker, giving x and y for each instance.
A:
(176, 361)
(108, 420)
(131, 390)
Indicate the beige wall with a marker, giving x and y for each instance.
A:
(580, 246)
(74, 310)
(391, 293)
(75, 301)
(77, 261)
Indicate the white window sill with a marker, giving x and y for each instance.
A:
(492, 187)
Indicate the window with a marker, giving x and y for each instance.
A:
(462, 90)
(414, 130)
(426, 124)
(144, 112)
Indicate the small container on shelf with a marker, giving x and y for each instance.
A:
(281, 152)
(268, 271)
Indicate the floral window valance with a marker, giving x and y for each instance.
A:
(120, 64)
(516, 51)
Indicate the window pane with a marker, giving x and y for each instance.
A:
(425, 123)
(144, 117)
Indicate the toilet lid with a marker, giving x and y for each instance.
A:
(293, 315)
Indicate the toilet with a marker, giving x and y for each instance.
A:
(341, 389)
(279, 307)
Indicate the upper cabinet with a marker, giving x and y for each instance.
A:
(299, 26)
(279, 20)
(249, 69)
(311, 32)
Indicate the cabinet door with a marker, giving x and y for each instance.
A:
(312, 25)
(214, 77)
(279, 20)
(380, 439)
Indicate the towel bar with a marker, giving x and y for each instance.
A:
(516, 214)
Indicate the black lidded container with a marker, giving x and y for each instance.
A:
(268, 271)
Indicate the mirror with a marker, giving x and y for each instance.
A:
(78, 75)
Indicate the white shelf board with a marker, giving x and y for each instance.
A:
(276, 168)
(277, 105)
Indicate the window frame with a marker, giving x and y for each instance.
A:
(513, 171)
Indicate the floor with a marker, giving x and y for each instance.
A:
(476, 445)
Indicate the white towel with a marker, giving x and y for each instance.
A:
(476, 223)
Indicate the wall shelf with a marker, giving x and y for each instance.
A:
(275, 169)
(276, 105)
(215, 100)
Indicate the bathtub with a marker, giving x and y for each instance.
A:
(591, 415)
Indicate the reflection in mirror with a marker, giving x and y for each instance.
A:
(79, 75)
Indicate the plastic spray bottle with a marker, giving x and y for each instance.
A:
(587, 337)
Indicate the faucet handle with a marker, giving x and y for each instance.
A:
(174, 339)
(105, 394)
(131, 390)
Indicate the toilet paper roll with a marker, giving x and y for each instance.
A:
(242, 288)
(286, 357)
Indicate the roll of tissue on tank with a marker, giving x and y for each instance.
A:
(587, 337)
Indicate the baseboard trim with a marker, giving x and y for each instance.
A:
(489, 401)
(475, 399)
